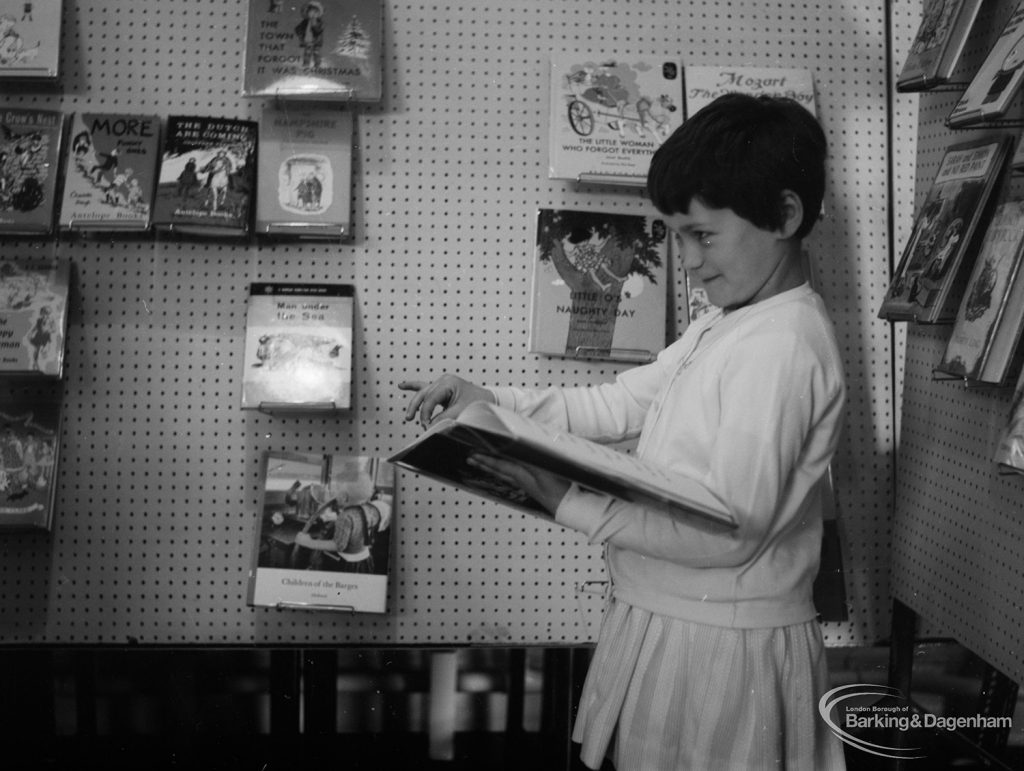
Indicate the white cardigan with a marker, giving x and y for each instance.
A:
(748, 404)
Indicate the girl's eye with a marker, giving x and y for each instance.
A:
(703, 238)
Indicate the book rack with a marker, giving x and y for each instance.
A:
(957, 530)
(158, 484)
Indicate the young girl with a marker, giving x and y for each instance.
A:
(709, 654)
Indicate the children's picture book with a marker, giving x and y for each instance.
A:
(305, 172)
(331, 49)
(997, 80)
(442, 451)
(30, 422)
(298, 347)
(938, 44)
(1009, 453)
(704, 84)
(30, 145)
(207, 176)
(599, 287)
(988, 325)
(110, 172)
(30, 39)
(929, 281)
(323, 532)
(33, 316)
(608, 114)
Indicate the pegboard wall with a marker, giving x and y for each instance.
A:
(958, 531)
(158, 483)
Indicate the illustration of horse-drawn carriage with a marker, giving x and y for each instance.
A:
(596, 94)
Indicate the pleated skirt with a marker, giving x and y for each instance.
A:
(663, 694)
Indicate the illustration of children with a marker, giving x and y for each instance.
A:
(41, 336)
(188, 180)
(310, 32)
(12, 45)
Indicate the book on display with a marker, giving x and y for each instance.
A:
(298, 347)
(599, 285)
(322, 537)
(609, 113)
(327, 50)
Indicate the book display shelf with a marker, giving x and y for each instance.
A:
(958, 530)
(159, 487)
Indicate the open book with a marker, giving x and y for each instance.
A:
(442, 451)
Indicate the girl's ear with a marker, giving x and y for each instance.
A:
(792, 213)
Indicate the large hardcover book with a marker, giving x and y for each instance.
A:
(30, 39)
(599, 285)
(298, 347)
(704, 84)
(30, 421)
(988, 325)
(305, 172)
(929, 281)
(938, 44)
(33, 316)
(110, 172)
(314, 50)
(608, 114)
(30, 143)
(1009, 454)
(206, 182)
(442, 453)
(323, 532)
(997, 80)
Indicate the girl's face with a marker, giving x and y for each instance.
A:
(737, 262)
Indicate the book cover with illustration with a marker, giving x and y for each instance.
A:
(30, 145)
(608, 114)
(314, 50)
(207, 176)
(599, 288)
(937, 261)
(988, 325)
(938, 44)
(305, 172)
(1009, 453)
(998, 79)
(298, 347)
(30, 422)
(442, 452)
(323, 532)
(30, 39)
(33, 316)
(110, 172)
(705, 83)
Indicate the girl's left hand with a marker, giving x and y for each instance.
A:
(544, 487)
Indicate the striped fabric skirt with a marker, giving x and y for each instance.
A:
(663, 694)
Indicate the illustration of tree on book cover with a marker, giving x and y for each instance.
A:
(110, 171)
(29, 159)
(599, 285)
(315, 50)
(323, 531)
(207, 174)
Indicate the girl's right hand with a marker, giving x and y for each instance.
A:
(449, 393)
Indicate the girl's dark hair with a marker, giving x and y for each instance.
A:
(740, 152)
